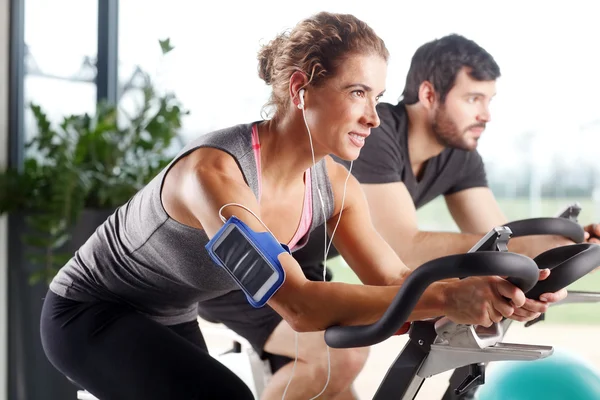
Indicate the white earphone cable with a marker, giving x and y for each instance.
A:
(326, 250)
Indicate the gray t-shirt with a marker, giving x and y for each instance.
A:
(143, 258)
(384, 159)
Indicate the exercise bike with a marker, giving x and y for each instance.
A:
(440, 345)
(456, 388)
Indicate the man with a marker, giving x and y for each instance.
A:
(424, 148)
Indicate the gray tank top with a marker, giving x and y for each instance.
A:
(141, 257)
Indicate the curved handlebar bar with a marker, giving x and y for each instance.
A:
(568, 264)
(522, 269)
(547, 226)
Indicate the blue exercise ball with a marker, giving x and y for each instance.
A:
(561, 376)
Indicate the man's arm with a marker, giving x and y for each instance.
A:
(476, 210)
(395, 218)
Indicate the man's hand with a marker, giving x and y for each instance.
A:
(482, 300)
(534, 307)
(592, 235)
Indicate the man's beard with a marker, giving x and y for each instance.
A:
(448, 134)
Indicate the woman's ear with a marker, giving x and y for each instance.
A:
(298, 82)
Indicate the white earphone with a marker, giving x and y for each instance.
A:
(301, 95)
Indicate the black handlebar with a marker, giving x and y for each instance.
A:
(568, 264)
(522, 269)
(547, 226)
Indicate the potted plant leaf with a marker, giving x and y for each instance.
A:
(74, 175)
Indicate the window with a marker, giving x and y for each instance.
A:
(60, 56)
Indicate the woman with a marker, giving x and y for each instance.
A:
(120, 317)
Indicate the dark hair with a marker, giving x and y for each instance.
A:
(440, 61)
(316, 46)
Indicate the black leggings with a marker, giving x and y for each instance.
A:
(116, 353)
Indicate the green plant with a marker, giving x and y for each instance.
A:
(88, 161)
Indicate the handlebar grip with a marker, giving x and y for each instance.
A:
(568, 264)
(522, 269)
(547, 226)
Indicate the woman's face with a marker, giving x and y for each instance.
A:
(341, 112)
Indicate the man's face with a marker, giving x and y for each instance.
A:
(460, 121)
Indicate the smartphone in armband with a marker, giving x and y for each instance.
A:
(250, 258)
